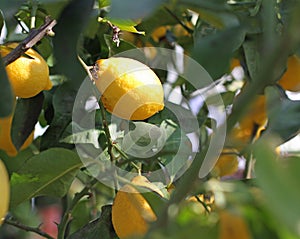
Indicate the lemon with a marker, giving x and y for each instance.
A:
(252, 124)
(233, 226)
(227, 163)
(159, 33)
(6, 143)
(129, 88)
(291, 78)
(234, 63)
(131, 212)
(4, 191)
(28, 75)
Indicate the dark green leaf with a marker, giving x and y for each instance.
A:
(101, 226)
(26, 115)
(283, 114)
(279, 183)
(6, 95)
(114, 49)
(214, 52)
(214, 5)
(10, 7)
(63, 101)
(49, 173)
(133, 9)
(66, 39)
(219, 19)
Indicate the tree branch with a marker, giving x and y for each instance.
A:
(34, 36)
(36, 230)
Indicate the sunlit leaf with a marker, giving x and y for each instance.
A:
(48, 173)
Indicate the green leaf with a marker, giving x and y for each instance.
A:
(219, 19)
(10, 7)
(143, 139)
(214, 51)
(114, 49)
(63, 101)
(283, 114)
(101, 226)
(179, 115)
(6, 95)
(124, 25)
(66, 38)
(84, 137)
(214, 5)
(49, 173)
(279, 183)
(252, 56)
(26, 115)
(103, 3)
(133, 9)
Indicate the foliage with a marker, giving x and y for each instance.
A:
(59, 166)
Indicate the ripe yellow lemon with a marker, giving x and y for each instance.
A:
(227, 163)
(28, 75)
(233, 226)
(131, 212)
(4, 191)
(6, 143)
(129, 88)
(291, 78)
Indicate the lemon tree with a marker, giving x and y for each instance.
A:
(109, 112)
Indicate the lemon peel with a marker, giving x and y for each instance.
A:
(29, 74)
(4, 191)
(131, 213)
(233, 226)
(6, 143)
(129, 88)
(227, 163)
(291, 78)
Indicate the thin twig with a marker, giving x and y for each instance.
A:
(28, 229)
(68, 213)
(190, 31)
(34, 36)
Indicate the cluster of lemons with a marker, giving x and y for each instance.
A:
(28, 75)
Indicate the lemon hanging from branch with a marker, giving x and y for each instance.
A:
(29, 74)
(129, 88)
(131, 213)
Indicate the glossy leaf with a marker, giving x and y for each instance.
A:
(6, 94)
(26, 115)
(125, 25)
(66, 38)
(214, 54)
(49, 173)
(101, 226)
(283, 114)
